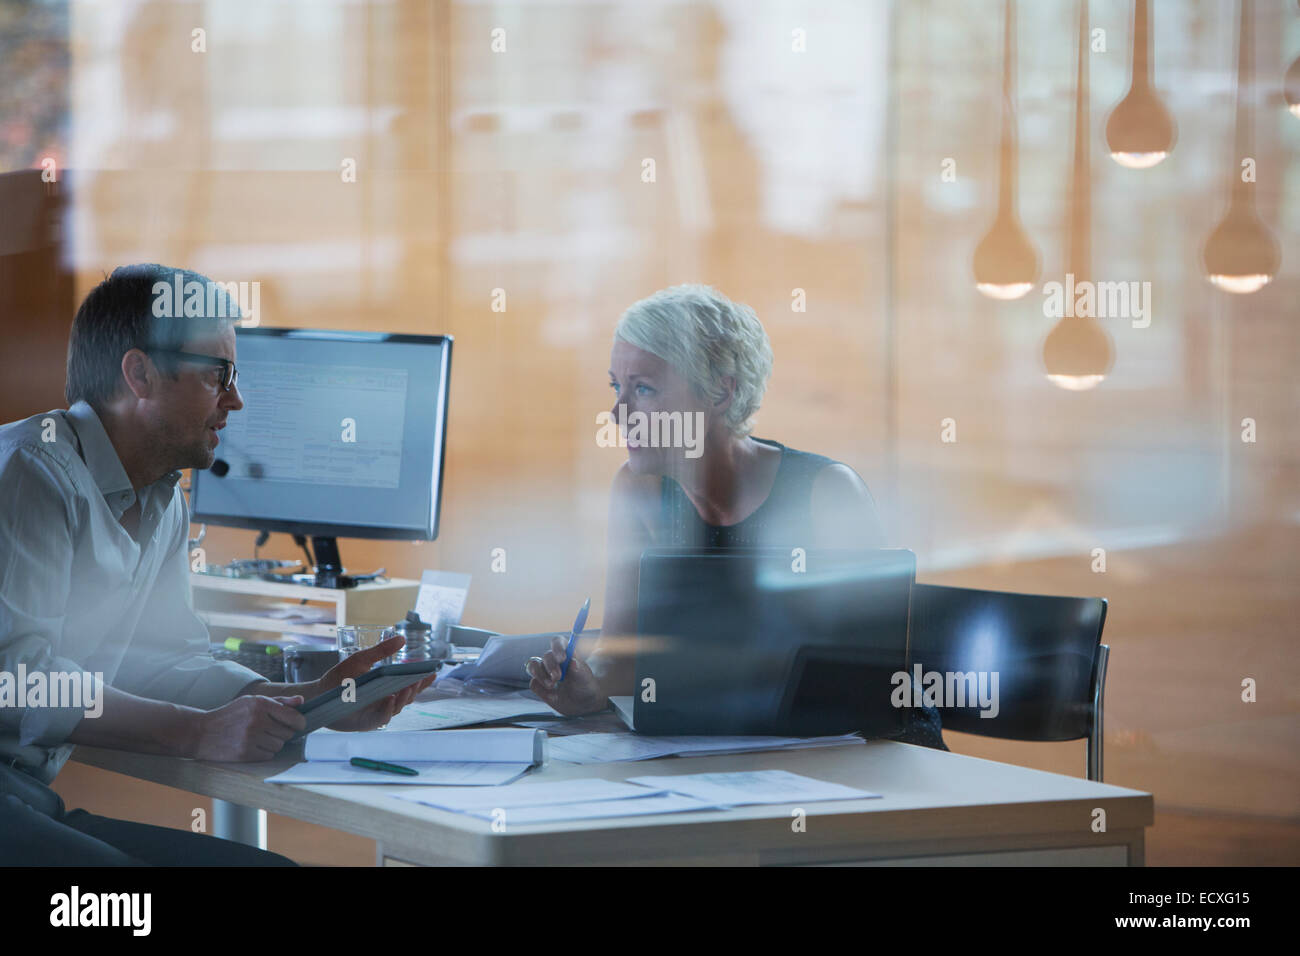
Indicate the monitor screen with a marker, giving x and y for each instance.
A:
(341, 434)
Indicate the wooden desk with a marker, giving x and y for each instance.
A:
(940, 808)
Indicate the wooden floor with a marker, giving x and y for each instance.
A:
(1186, 624)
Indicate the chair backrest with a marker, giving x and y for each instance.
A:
(1042, 649)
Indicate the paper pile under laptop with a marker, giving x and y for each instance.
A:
(609, 748)
(462, 711)
(641, 796)
(500, 665)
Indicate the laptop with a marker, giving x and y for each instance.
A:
(750, 642)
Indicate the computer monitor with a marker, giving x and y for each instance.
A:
(341, 434)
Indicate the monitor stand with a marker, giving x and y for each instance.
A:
(328, 568)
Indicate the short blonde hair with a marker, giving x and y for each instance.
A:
(706, 338)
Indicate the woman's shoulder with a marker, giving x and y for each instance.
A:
(843, 508)
(841, 505)
(838, 484)
(815, 469)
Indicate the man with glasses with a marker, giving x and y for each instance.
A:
(94, 582)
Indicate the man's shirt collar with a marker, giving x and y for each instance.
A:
(105, 466)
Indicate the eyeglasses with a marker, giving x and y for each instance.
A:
(229, 374)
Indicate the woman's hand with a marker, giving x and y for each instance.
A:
(580, 691)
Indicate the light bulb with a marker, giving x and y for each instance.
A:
(1241, 255)
(1077, 354)
(1140, 130)
(1076, 383)
(1241, 285)
(1006, 293)
(1139, 160)
(1291, 88)
(1005, 264)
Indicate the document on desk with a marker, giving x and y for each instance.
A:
(441, 599)
(751, 788)
(487, 757)
(781, 743)
(486, 745)
(558, 801)
(500, 665)
(443, 773)
(527, 795)
(612, 747)
(642, 806)
(463, 711)
(502, 659)
(590, 724)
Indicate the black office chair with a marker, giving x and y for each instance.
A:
(1047, 652)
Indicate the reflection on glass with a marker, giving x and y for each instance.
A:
(1140, 130)
(1006, 265)
(1241, 255)
(1075, 383)
(1007, 291)
(1291, 88)
(1078, 352)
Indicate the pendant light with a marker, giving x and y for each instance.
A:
(1291, 88)
(1241, 254)
(1006, 265)
(1078, 353)
(1141, 132)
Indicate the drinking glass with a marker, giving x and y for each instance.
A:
(358, 637)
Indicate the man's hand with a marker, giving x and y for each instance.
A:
(580, 691)
(247, 728)
(353, 666)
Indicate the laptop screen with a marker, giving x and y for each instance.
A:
(722, 633)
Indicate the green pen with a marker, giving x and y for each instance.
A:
(385, 767)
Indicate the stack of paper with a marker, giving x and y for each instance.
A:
(589, 724)
(297, 613)
(641, 796)
(552, 802)
(451, 757)
(753, 787)
(608, 748)
(463, 711)
(500, 665)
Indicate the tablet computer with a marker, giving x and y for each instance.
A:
(373, 685)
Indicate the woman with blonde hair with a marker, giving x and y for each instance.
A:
(689, 355)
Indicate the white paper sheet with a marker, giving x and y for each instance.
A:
(794, 743)
(643, 806)
(484, 745)
(463, 711)
(752, 787)
(439, 773)
(525, 795)
(608, 748)
(502, 660)
(441, 600)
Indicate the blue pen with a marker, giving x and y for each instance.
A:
(578, 625)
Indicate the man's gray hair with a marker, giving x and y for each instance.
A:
(706, 338)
